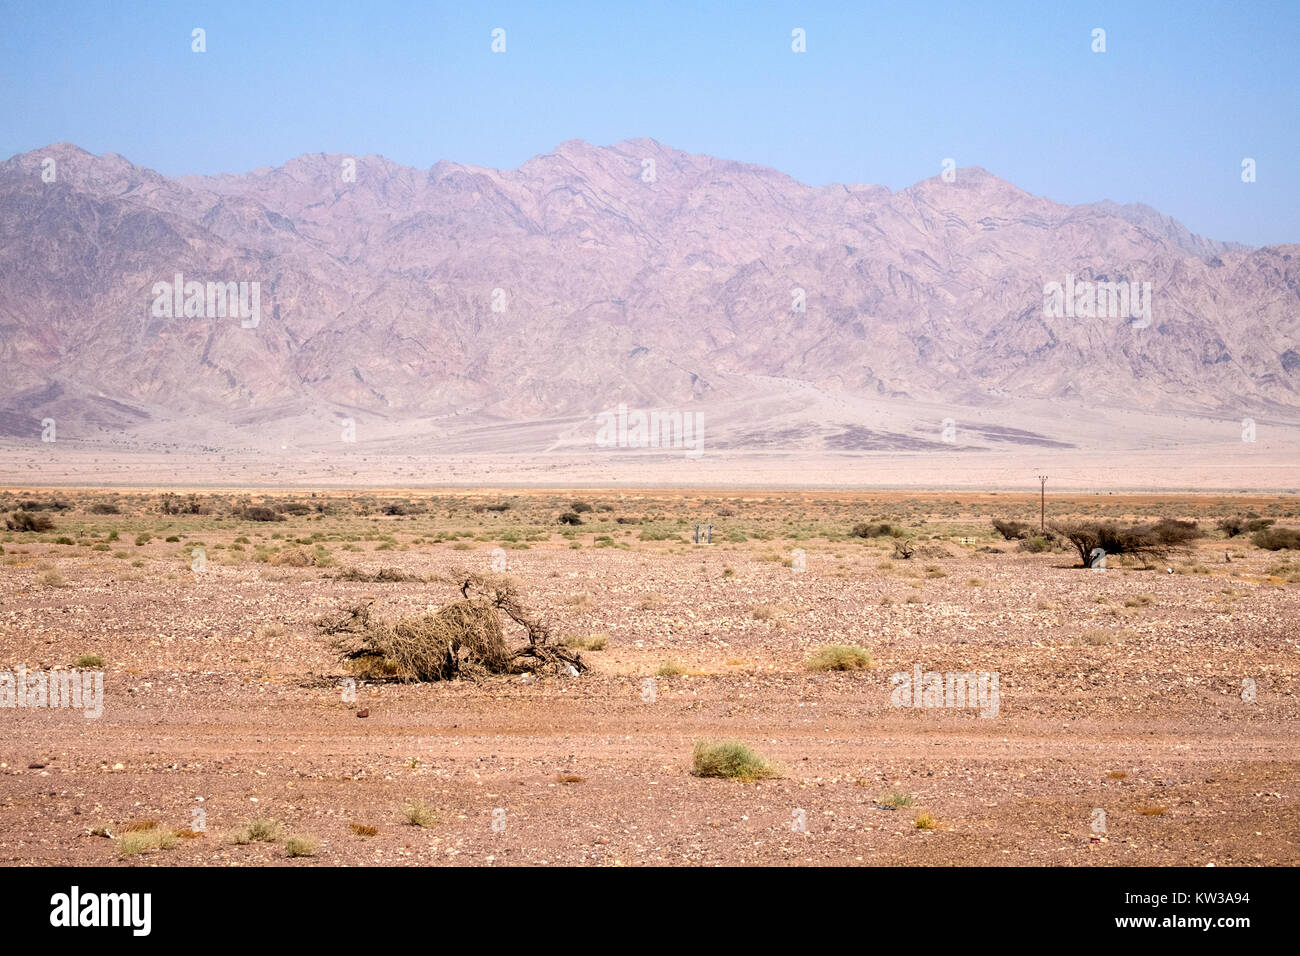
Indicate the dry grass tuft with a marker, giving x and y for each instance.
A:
(261, 830)
(135, 842)
(300, 846)
(840, 657)
(895, 799)
(419, 814)
(731, 759)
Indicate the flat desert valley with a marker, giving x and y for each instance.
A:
(1144, 715)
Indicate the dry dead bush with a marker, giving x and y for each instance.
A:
(382, 576)
(294, 558)
(28, 521)
(904, 549)
(465, 638)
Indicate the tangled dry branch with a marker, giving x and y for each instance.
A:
(464, 638)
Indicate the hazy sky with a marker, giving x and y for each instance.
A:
(883, 94)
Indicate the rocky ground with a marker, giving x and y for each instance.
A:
(1166, 700)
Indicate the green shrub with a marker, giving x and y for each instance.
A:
(419, 814)
(300, 846)
(135, 842)
(731, 759)
(894, 799)
(261, 830)
(840, 657)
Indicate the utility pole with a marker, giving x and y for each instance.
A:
(1042, 503)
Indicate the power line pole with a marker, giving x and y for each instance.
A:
(1042, 503)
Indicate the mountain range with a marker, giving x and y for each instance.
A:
(476, 308)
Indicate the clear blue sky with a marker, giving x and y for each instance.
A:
(884, 93)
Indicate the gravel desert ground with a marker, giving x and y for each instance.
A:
(1146, 714)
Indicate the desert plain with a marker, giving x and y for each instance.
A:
(1161, 693)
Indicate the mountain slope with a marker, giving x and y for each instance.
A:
(632, 273)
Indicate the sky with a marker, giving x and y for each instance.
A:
(885, 92)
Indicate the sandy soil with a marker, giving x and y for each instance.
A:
(1208, 466)
(1120, 690)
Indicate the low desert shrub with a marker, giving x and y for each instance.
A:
(894, 799)
(840, 657)
(1234, 526)
(1012, 530)
(419, 814)
(1277, 539)
(29, 521)
(878, 530)
(731, 759)
(260, 830)
(300, 846)
(136, 842)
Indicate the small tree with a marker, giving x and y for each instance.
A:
(1148, 541)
